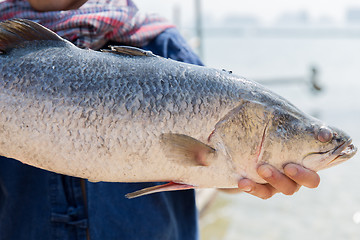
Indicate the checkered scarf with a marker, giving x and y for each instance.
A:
(93, 24)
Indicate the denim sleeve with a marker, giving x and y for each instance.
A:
(170, 44)
(37, 204)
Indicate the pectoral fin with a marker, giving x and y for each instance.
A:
(171, 186)
(185, 148)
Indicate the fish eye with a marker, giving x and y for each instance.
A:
(325, 134)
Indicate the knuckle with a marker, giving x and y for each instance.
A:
(266, 196)
(290, 191)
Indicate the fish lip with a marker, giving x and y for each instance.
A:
(339, 149)
(345, 151)
(336, 155)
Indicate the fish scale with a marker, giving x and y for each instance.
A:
(126, 115)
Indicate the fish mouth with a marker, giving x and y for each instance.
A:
(322, 160)
(343, 152)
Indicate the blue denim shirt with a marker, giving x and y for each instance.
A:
(37, 204)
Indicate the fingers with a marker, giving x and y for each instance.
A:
(302, 175)
(295, 176)
(263, 191)
(278, 180)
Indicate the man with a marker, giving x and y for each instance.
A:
(36, 204)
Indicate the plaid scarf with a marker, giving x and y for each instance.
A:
(93, 24)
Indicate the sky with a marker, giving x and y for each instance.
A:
(266, 10)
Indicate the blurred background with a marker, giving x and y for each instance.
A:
(308, 51)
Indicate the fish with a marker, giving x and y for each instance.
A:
(127, 115)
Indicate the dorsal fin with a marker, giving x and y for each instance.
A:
(127, 50)
(17, 31)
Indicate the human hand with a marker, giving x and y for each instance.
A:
(295, 176)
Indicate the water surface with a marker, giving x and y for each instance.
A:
(332, 211)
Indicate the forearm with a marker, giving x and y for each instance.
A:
(55, 5)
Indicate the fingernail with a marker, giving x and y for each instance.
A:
(245, 185)
(246, 188)
(291, 170)
(265, 171)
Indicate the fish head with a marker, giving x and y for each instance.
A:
(296, 137)
(331, 147)
(255, 133)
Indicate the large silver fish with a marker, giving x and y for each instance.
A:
(126, 115)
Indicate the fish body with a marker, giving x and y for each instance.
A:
(126, 115)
